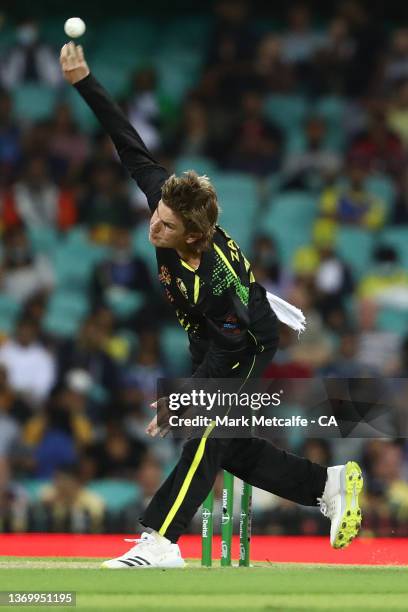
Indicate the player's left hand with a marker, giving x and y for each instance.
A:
(160, 423)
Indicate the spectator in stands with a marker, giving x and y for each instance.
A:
(9, 428)
(56, 435)
(123, 279)
(377, 146)
(269, 72)
(30, 60)
(69, 145)
(267, 267)
(300, 41)
(345, 363)
(117, 455)
(400, 212)
(352, 204)
(10, 136)
(377, 348)
(285, 365)
(230, 53)
(30, 366)
(105, 203)
(115, 344)
(333, 280)
(316, 164)
(86, 352)
(147, 108)
(146, 367)
(396, 63)
(69, 506)
(367, 31)
(14, 503)
(22, 273)
(37, 201)
(256, 143)
(333, 59)
(192, 136)
(386, 283)
(397, 116)
(315, 346)
(233, 38)
(13, 408)
(388, 487)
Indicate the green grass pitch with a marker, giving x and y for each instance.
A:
(269, 587)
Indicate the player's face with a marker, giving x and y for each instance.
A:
(167, 230)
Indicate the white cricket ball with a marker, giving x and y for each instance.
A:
(74, 27)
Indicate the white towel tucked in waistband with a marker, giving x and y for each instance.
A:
(287, 313)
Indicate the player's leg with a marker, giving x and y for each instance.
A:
(174, 505)
(336, 489)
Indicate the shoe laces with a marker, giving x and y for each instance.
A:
(145, 539)
(327, 508)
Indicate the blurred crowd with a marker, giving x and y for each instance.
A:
(73, 408)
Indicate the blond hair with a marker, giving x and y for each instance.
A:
(194, 199)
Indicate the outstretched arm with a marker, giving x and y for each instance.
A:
(132, 151)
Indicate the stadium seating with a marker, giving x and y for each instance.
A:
(44, 239)
(202, 165)
(115, 493)
(393, 320)
(289, 220)
(355, 246)
(396, 237)
(143, 248)
(286, 110)
(33, 101)
(9, 310)
(175, 349)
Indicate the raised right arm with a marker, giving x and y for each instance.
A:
(132, 151)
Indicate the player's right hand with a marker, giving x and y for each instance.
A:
(73, 63)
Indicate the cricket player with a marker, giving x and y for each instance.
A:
(232, 332)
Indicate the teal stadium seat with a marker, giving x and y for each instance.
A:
(143, 248)
(289, 220)
(44, 239)
(75, 259)
(9, 310)
(125, 303)
(332, 109)
(115, 493)
(393, 320)
(59, 325)
(202, 165)
(74, 304)
(355, 246)
(175, 349)
(396, 237)
(33, 487)
(239, 201)
(80, 110)
(186, 32)
(65, 311)
(34, 102)
(286, 110)
(382, 187)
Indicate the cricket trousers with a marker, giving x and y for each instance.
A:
(254, 460)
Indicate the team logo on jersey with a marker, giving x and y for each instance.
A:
(164, 276)
(182, 287)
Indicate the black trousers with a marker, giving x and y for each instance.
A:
(254, 460)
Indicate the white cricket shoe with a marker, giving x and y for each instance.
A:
(339, 502)
(148, 552)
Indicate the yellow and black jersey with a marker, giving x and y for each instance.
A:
(220, 305)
